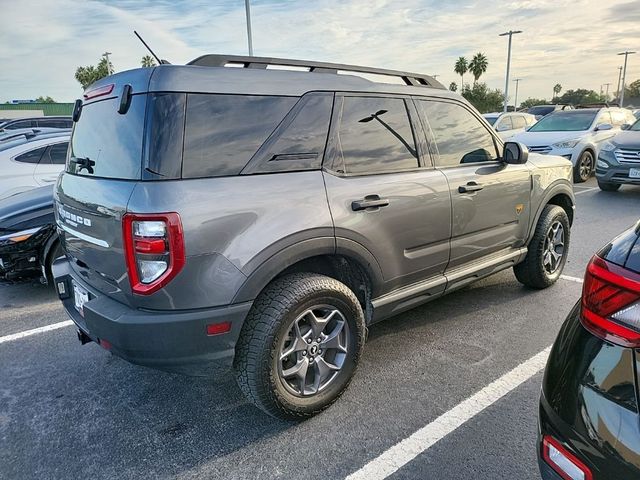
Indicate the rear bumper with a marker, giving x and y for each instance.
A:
(175, 341)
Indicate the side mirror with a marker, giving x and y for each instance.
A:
(77, 110)
(515, 153)
(603, 127)
(626, 126)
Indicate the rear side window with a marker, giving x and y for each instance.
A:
(107, 144)
(505, 124)
(55, 154)
(32, 156)
(374, 135)
(223, 132)
(21, 124)
(460, 136)
(55, 123)
(518, 121)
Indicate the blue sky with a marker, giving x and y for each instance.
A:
(573, 43)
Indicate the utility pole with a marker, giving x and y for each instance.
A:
(606, 95)
(248, 10)
(515, 102)
(624, 75)
(106, 56)
(510, 33)
(619, 78)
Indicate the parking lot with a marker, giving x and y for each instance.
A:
(72, 411)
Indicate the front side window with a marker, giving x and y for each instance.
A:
(374, 135)
(55, 154)
(459, 135)
(32, 156)
(223, 132)
(519, 122)
(505, 124)
(604, 118)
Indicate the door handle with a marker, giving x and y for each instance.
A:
(470, 187)
(370, 201)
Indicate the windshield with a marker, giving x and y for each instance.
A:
(106, 143)
(636, 126)
(565, 121)
(541, 110)
(491, 120)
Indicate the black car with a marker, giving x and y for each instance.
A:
(37, 122)
(28, 238)
(589, 425)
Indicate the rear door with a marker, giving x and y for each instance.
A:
(382, 191)
(51, 163)
(490, 198)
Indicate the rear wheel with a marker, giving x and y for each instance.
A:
(300, 345)
(608, 187)
(584, 168)
(55, 252)
(548, 250)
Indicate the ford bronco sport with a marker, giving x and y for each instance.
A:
(261, 219)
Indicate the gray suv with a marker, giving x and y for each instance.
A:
(261, 220)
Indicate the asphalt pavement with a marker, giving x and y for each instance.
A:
(71, 411)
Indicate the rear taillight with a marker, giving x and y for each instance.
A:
(154, 250)
(562, 461)
(611, 303)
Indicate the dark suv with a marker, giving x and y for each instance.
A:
(262, 219)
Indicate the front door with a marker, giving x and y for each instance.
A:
(490, 199)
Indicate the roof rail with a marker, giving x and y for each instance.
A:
(213, 60)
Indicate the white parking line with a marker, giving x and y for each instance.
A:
(587, 190)
(572, 279)
(403, 452)
(28, 333)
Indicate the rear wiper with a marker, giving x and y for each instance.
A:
(83, 162)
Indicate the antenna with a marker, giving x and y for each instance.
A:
(160, 62)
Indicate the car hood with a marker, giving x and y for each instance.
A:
(627, 139)
(29, 209)
(546, 138)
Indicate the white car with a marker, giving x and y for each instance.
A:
(509, 123)
(576, 135)
(31, 164)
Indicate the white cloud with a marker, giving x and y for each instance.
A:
(569, 42)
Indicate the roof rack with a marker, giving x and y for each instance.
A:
(213, 60)
(598, 105)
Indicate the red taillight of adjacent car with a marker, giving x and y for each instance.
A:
(154, 250)
(562, 461)
(611, 303)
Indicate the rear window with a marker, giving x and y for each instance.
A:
(222, 132)
(107, 144)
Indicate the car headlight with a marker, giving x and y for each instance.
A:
(566, 143)
(602, 164)
(608, 147)
(21, 236)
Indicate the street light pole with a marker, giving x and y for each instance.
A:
(619, 78)
(607, 93)
(515, 102)
(250, 42)
(510, 33)
(624, 75)
(106, 56)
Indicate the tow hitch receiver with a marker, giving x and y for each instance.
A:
(83, 337)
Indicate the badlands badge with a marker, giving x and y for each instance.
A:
(519, 208)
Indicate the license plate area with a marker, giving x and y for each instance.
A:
(634, 173)
(80, 297)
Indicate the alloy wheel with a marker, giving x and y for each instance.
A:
(553, 248)
(586, 165)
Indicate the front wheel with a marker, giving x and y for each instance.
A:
(584, 168)
(548, 250)
(608, 187)
(300, 345)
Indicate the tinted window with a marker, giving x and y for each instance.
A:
(165, 133)
(22, 124)
(518, 121)
(375, 135)
(222, 132)
(541, 110)
(110, 142)
(298, 143)
(565, 121)
(32, 156)
(55, 123)
(55, 154)
(459, 135)
(491, 120)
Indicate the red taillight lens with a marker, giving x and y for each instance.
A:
(99, 92)
(562, 461)
(611, 303)
(154, 250)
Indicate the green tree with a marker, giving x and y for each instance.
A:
(461, 67)
(453, 86)
(483, 98)
(557, 88)
(632, 90)
(47, 99)
(532, 102)
(478, 66)
(148, 61)
(581, 95)
(90, 74)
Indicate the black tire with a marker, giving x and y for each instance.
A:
(532, 272)
(584, 167)
(54, 252)
(608, 187)
(267, 328)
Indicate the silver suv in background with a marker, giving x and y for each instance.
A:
(262, 219)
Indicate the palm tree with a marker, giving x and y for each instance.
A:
(557, 88)
(453, 86)
(478, 66)
(148, 61)
(461, 67)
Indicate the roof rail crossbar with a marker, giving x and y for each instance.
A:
(213, 60)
